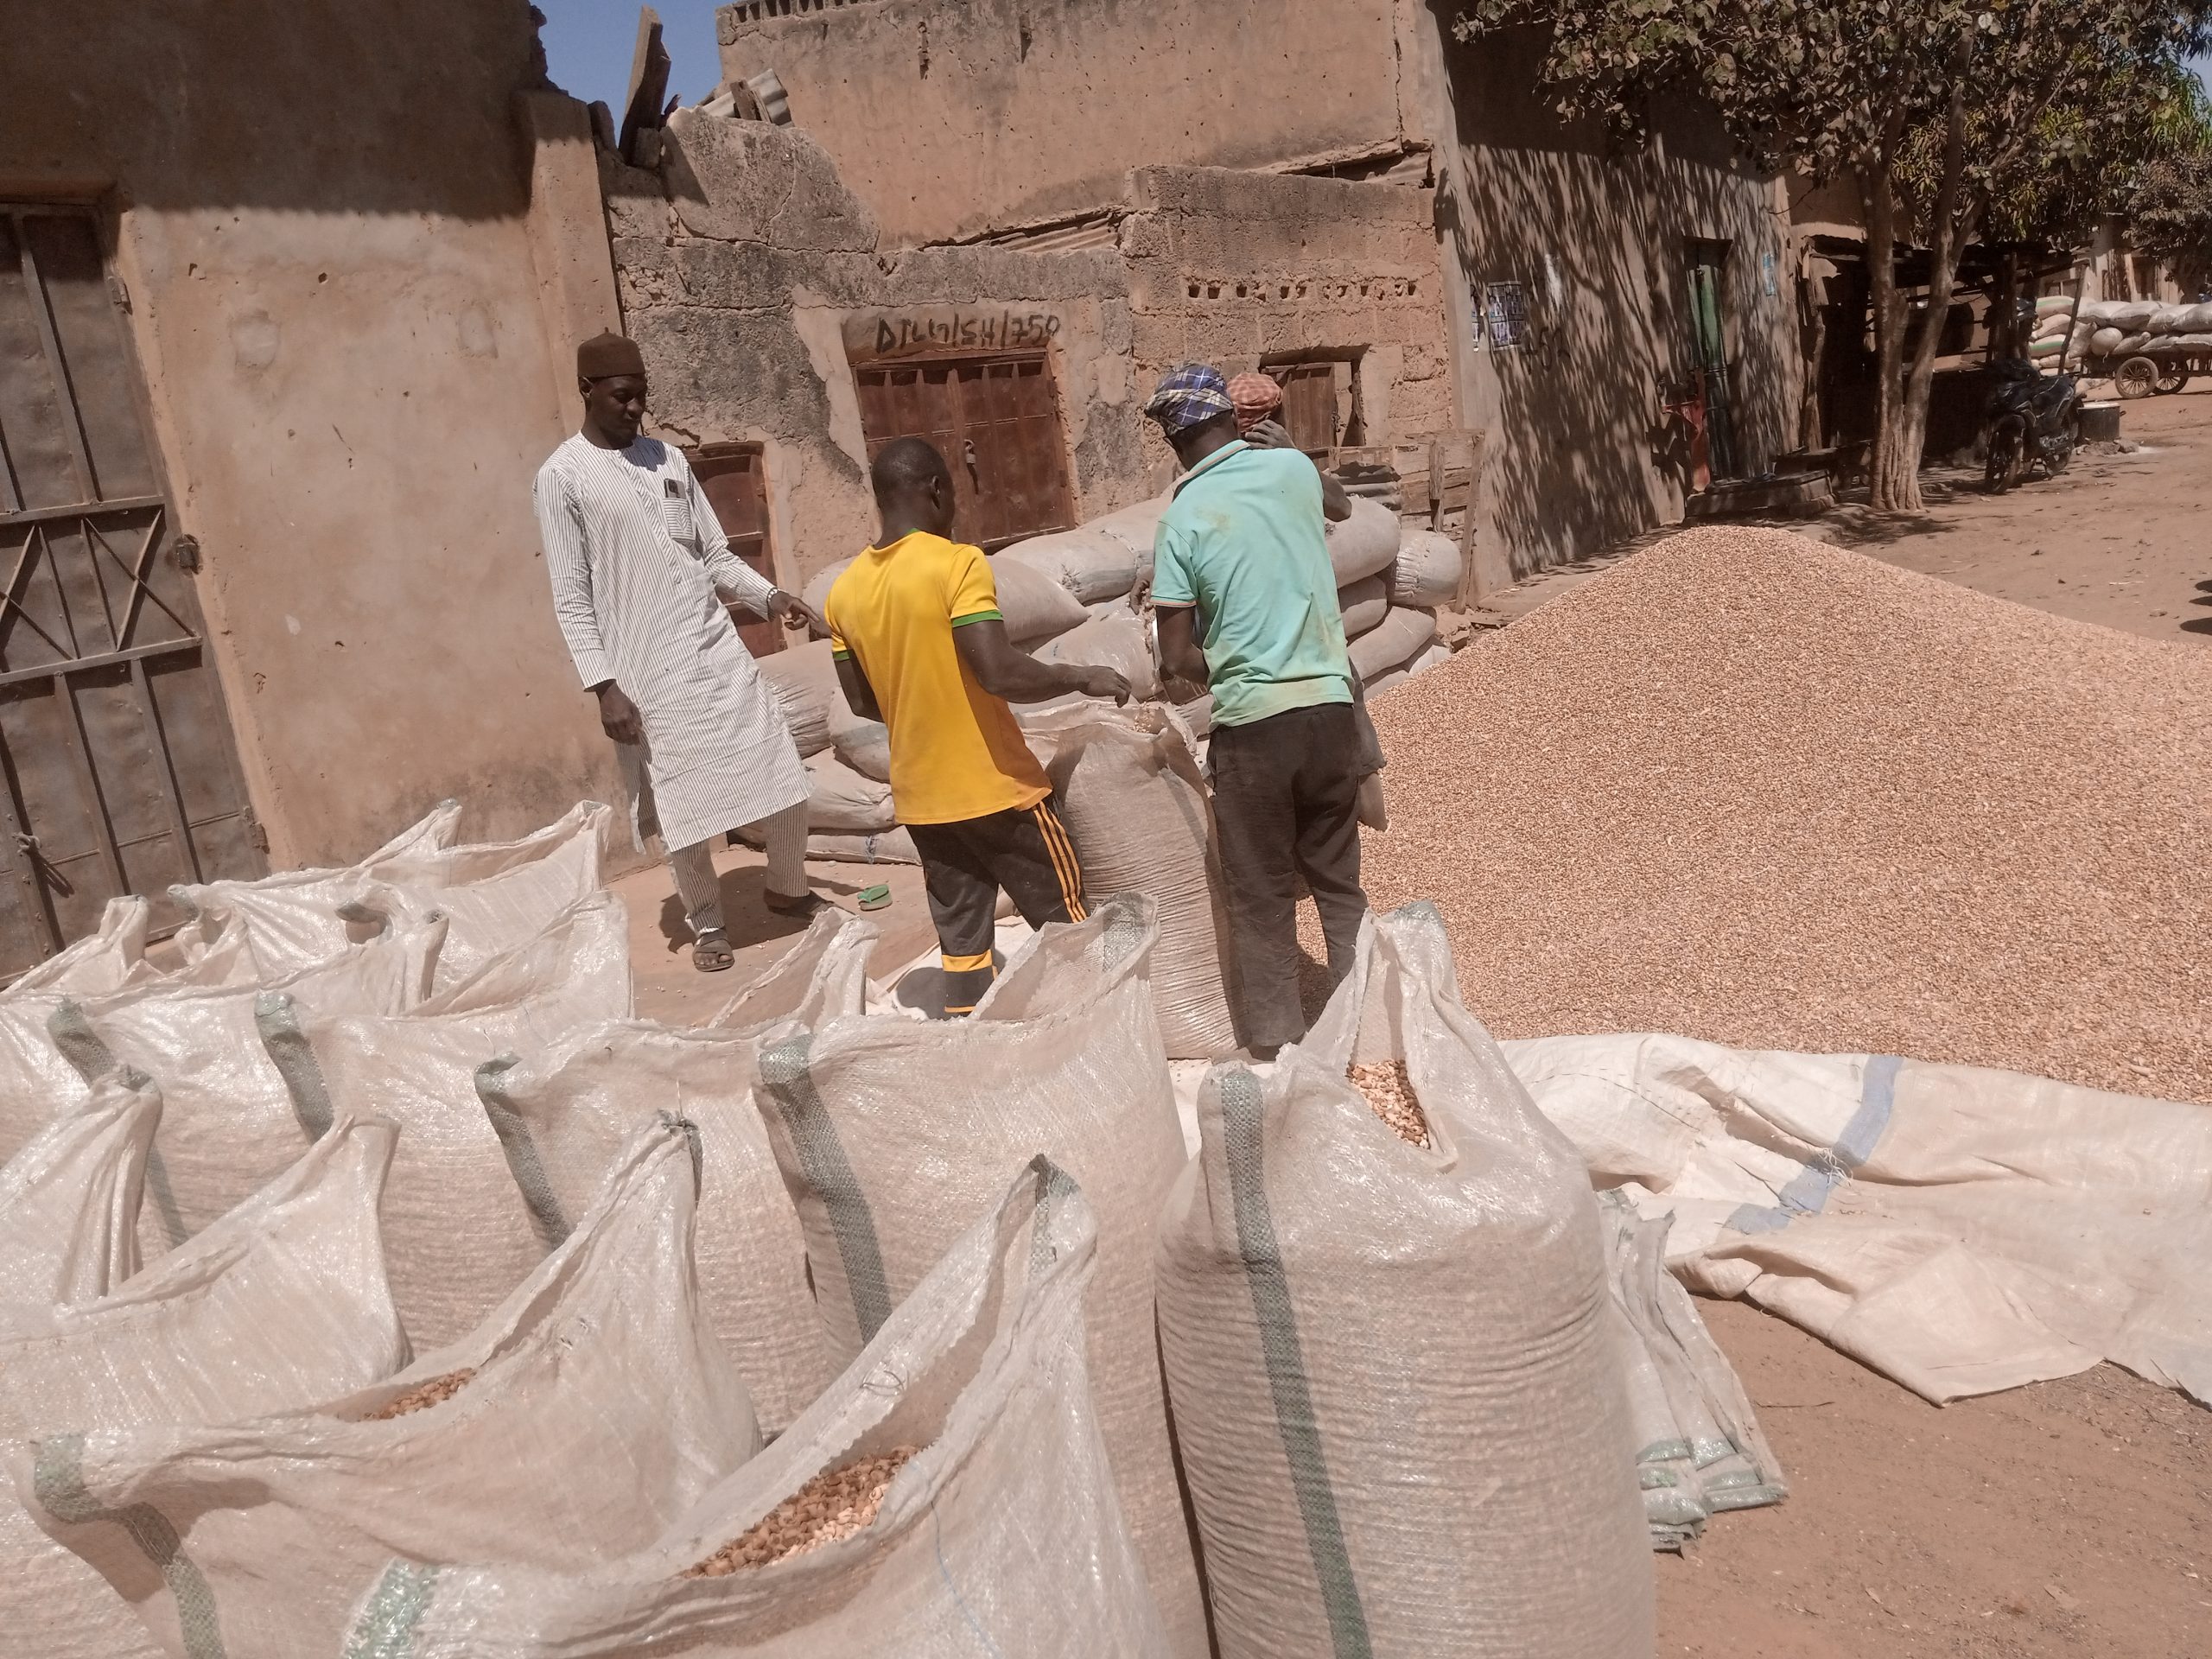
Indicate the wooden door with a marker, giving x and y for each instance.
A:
(730, 475)
(1309, 403)
(996, 421)
(117, 770)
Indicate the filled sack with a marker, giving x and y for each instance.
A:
(499, 896)
(843, 801)
(804, 679)
(1128, 786)
(226, 1123)
(1362, 605)
(301, 916)
(579, 1422)
(1365, 543)
(458, 1236)
(561, 1115)
(947, 1496)
(1121, 642)
(1393, 643)
(1101, 560)
(1427, 572)
(1035, 605)
(893, 1135)
(1354, 1254)
(69, 1200)
(280, 1302)
(863, 744)
(101, 960)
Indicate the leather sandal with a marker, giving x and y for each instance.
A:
(711, 953)
(809, 903)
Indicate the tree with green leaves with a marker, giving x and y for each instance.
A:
(1943, 114)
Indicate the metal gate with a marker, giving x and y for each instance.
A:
(118, 772)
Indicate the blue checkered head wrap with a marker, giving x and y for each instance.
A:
(1188, 396)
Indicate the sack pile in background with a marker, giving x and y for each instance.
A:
(1077, 597)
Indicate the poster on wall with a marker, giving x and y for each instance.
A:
(1505, 315)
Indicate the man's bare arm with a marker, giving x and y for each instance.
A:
(1018, 677)
(1179, 656)
(860, 696)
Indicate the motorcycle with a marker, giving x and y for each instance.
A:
(2033, 419)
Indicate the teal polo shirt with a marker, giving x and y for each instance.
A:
(1243, 541)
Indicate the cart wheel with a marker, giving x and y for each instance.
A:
(2137, 377)
(2172, 377)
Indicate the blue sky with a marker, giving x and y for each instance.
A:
(589, 43)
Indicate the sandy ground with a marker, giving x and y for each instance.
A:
(2070, 1518)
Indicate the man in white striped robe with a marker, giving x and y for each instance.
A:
(638, 562)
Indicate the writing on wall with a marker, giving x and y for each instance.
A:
(874, 335)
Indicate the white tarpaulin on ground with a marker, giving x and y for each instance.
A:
(1956, 1229)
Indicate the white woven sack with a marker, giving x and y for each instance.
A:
(457, 1234)
(226, 1116)
(502, 895)
(562, 1115)
(1395, 641)
(1362, 605)
(295, 914)
(101, 960)
(1121, 642)
(69, 1200)
(1134, 804)
(1365, 543)
(1087, 561)
(887, 847)
(1700, 1450)
(863, 744)
(843, 801)
(893, 1134)
(1033, 604)
(1000, 1536)
(804, 679)
(1427, 574)
(281, 1302)
(596, 1410)
(1397, 1390)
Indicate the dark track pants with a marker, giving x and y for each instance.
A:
(1025, 851)
(1286, 804)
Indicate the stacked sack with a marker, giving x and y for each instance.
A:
(1074, 597)
(854, 1333)
(2117, 328)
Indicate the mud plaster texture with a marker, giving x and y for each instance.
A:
(324, 227)
(742, 262)
(1002, 113)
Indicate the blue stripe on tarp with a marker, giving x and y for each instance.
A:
(1807, 1193)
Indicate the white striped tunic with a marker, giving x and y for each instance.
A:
(635, 554)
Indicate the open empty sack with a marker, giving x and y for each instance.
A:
(579, 1422)
(1390, 1349)
(894, 1134)
(966, 1427)
(1956, 1228)
(280, 1302)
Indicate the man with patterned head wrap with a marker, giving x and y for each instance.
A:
(1242, 545)
(637, 562)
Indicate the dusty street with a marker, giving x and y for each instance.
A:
(2069, 1518)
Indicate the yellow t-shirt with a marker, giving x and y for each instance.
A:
(956, 752)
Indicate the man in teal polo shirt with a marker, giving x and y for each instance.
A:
(1242, 552)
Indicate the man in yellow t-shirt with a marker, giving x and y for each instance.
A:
(920, 645)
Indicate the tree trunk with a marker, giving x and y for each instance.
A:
(1949, 222)
(1878, 196)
